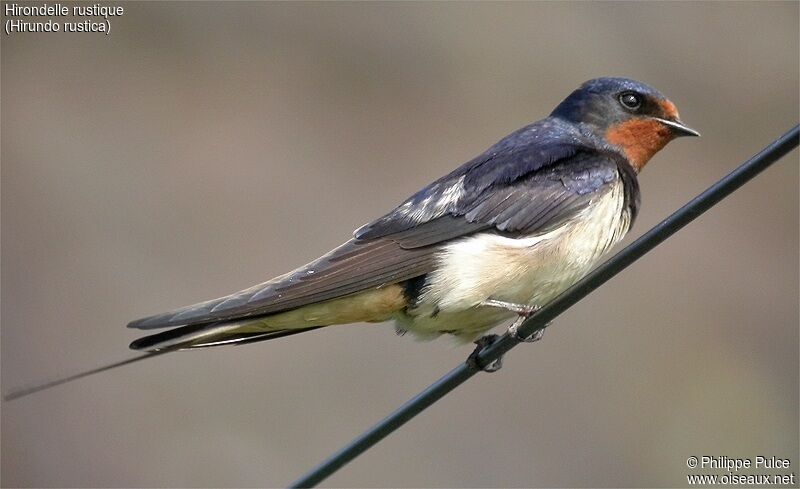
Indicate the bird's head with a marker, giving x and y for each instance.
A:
(627, 114)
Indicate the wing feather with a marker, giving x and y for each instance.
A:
(354, 266)
(529, 183)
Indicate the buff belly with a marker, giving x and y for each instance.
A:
(530, 270)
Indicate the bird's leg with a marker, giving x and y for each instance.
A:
(523, 311)
(474, 362)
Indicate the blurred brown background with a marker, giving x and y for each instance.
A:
(204, 147)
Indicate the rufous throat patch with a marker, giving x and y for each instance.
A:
(640, 139)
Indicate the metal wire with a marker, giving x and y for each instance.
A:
(652, 238)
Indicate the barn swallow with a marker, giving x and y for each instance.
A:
(499, 236)
(495, 239)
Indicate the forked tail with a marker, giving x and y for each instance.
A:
(24, 391)
(182, 338)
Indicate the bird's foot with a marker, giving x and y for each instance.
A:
(474, 361)
(513, 330)
(523, 311)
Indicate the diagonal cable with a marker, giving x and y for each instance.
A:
(649, 240)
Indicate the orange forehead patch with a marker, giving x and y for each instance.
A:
(639, 139)
(669, 109)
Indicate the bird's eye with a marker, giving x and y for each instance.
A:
(630, 100)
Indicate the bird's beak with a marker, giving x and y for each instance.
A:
(678, 127)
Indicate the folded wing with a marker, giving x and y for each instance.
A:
(489, 194)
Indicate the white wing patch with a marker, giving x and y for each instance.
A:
(434, 205)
